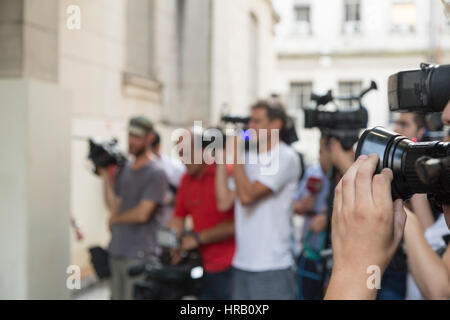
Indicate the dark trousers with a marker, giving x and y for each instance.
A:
(393, 286)
(264, 285)
(309, 279)
(217, 286)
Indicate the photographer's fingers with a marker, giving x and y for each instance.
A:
(399, 220)
(337, 203)
(363, 181)
(381, 187)
(348, 184)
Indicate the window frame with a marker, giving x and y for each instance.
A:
(352, 25)
(403, 28)
(301, 95)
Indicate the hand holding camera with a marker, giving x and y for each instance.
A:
(367, 227)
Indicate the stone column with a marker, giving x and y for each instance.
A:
(35, 154)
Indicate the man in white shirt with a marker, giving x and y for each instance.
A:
(264, 189)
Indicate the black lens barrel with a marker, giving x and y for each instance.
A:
(401, 155)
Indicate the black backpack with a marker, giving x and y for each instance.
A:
(100, 261)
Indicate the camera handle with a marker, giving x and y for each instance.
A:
(322, 100)
(430, 170)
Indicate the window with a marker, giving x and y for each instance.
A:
(302, 13)
(140, 38)
(352, 16)
(299, 96)
(302, 18)
(138, 78)
(404, 15)
(349, 88)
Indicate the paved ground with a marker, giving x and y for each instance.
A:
(94, 291)
(100, 291)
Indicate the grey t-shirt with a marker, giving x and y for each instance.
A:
(138, 240)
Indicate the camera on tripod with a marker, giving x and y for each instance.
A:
(422, 167)
(343, 125)
(104, 154)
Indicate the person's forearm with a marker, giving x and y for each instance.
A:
(135, 215)
(349, 284)
(304, 205)
(220, 232)
(243, 184)
(109, 195)
(427, 268)
(177, 224)
(224, 196)
(421, 207)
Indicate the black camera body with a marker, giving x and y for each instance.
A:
(418, 167)
(169, 282)
(165, 281)
(422, 167)
(343, 125)
(105, 154)
(425, 90)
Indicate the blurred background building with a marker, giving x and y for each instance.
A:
(344, 44)
(174, 61)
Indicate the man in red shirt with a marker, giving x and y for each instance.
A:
(213, 231)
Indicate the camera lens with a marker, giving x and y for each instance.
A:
(400, 155)
(439, 85)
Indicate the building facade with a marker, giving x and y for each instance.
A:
(344, 44)
(74, 69)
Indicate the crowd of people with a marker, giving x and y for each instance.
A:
(240, 219)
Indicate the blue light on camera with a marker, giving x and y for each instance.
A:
(246, 135)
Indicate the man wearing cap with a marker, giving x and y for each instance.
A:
(134, 200)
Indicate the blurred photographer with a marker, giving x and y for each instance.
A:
(311, 202)
(174, 170)
(342, 159)
(411, 125)
(134, 200)
(213, 229)
(429, 276)
(263, 264)
(367, 228)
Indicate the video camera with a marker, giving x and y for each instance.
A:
(342, 125)
(425, 90)
(422, 167)
(165, 281)
(104, 154)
